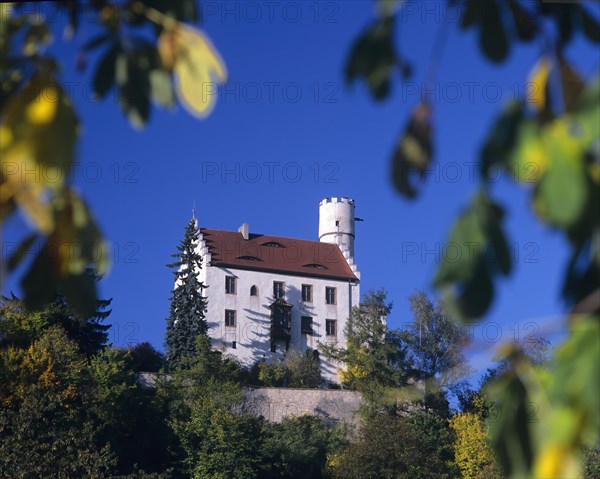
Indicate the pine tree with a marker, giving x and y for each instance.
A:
(186, 320)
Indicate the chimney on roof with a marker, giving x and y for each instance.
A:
(244, 229)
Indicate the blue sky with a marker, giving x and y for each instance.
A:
(286, 111)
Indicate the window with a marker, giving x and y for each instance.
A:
(249, 258)
(273, 244)
(233, 345)
(331, 327)
(314, 265)
(253, 291)
(329, 295)
(230, 318)
(230, 284)
(306, 324)
(278, 289)
(307, 293)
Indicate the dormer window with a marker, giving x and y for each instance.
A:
(273, 244)
(314, 265)
(249, 258)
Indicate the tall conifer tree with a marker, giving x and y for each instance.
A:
(186, 320)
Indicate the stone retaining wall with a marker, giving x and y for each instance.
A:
(274, 404)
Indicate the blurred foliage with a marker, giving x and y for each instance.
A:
(18, 326)
(148, 54)
(548, 141)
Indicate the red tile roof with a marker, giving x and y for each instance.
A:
(293, 256)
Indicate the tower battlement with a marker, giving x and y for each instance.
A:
(335, 199)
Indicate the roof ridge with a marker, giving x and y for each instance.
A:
(263, 234)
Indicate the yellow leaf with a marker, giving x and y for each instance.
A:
(198, 69)
(168, 47)
(556, 461)
(43, 109)
(538, 79)
(531, 157)
(6, 137)
(23, 181)
(37, 142)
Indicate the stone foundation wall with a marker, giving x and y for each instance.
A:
(274, 404)
(333, 405)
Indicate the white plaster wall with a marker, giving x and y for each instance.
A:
(252, 330)
(341, 210)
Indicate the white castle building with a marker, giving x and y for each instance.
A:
(268, 295)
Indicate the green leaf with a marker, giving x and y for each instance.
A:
(373, 57)
(63, 264)
(562, 193)
(476, 295)
(467, 276)
(525, 24)
(591, 27)
(571, 83)
(530, 156)
(469, 237)
(95, 42)
(21, 252)
(472, 13)
(493, 215)
(39, 283)
(104, 76)
(587, 109)
(414, 151)
(564, 18)
(501, 140)
(37, 36)
(511, 432)
(493, 39)
(134, 95)
(80, 292)
(161, 87)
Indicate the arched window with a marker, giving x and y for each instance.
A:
(253, 291)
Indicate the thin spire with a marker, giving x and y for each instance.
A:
(194, 219)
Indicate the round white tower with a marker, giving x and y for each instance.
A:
(336, 223)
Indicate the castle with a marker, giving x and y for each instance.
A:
(268, 295)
